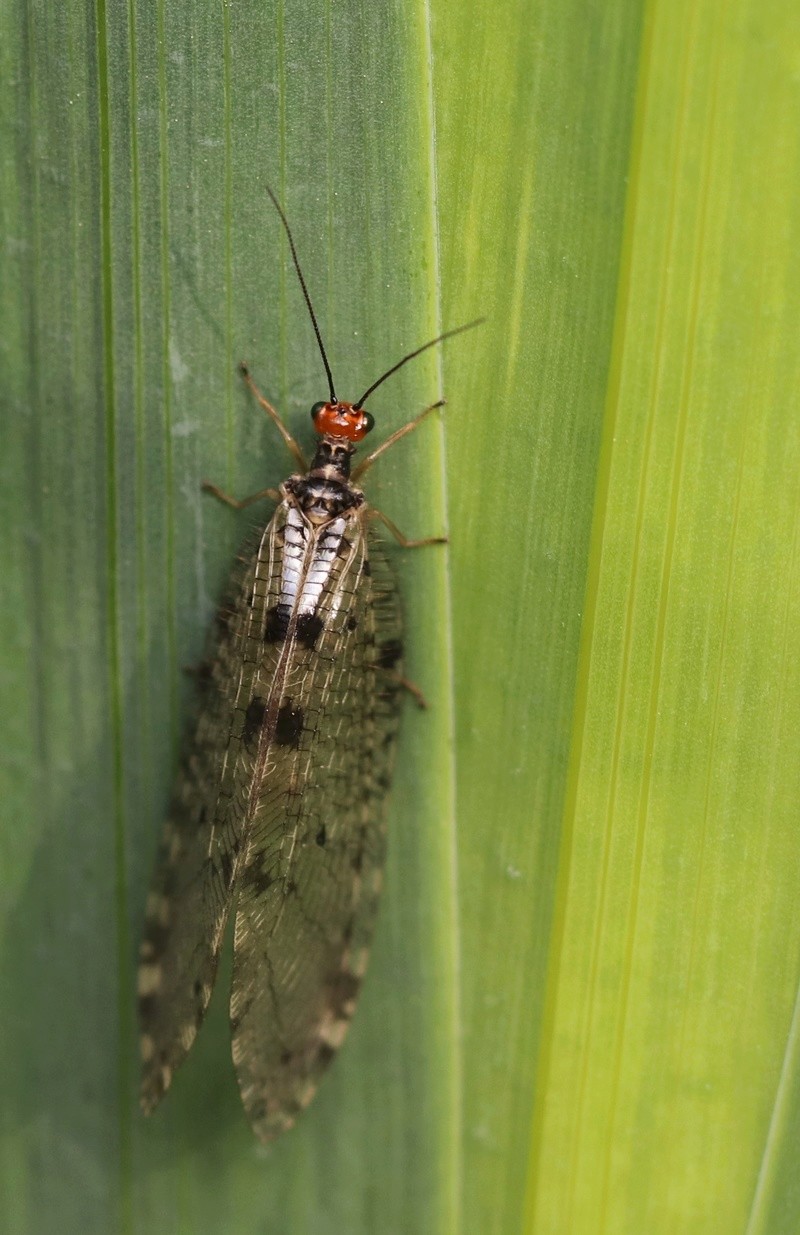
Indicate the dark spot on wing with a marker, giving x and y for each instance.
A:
(289, 725)
(366, 569)
(197, 988)
(352, 622)
(321, 836)
(309, 629)
(277, 623)
(389, 653)
(253, 719)
(257, 880)
(342, 990)
(325, 1054)
(157, 936)
(147, 1007)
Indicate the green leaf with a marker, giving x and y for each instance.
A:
(581, 1009)
(665, 1097)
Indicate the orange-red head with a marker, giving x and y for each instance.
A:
(341, 420)
(347, 423)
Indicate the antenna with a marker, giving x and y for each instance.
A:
(296, 261)
(448, 334)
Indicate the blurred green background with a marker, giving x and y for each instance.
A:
(581, 1016)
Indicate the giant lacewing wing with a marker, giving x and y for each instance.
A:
(278, 813)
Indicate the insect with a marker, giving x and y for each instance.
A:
(277, 815)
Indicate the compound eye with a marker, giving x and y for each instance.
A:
(369, 421)
(316, 409)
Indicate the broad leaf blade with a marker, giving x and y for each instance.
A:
(581, 1010)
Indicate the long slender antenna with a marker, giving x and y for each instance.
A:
(296, 261)
(448, 334)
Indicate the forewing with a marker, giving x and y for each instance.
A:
(200, 850)
(312, 872)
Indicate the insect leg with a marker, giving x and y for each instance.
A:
(398, 535)
(239, 503)
(395, 437)
(411, 687)
(296, 452)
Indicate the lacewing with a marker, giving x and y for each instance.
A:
(278, 812)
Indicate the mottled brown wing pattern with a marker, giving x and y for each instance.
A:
(280, 798)
(312, 870)
(197, 865)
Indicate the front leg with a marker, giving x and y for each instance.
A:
(273, 415)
